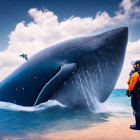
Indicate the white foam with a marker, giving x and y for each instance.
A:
(98, 106)
(109, 107)
(11, 106)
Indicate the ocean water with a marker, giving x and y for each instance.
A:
(52, 116)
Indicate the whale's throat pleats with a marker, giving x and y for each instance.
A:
(94, 79)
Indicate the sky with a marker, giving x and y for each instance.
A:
(31, 25)
(15, 11)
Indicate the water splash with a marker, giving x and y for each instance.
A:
(89, 82)
(107, 107)
(15, 107)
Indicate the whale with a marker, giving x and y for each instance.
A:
(76, 72)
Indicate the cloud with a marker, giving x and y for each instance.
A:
(132, 53)
(45, 30)
(128, 12)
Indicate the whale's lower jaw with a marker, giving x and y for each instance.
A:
(90, 83)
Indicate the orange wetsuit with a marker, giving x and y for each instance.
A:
(133, 80)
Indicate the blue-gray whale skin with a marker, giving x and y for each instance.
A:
(76, 72)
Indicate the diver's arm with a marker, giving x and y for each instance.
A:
(133, 81)
(128, 82)
(139, 79)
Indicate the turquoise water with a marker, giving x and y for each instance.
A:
(52, 116)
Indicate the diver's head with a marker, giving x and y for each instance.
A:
(136, 64)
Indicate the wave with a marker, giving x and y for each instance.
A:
(99, 107)
(118, 102)
(42, 106)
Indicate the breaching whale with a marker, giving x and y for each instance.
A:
(75, 72)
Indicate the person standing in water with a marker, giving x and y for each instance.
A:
(134, 92)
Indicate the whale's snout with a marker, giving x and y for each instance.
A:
(121, 33)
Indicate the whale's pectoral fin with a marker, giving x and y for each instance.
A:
(54, 83)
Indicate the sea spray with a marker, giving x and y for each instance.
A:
(42, 106)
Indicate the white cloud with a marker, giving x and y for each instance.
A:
(128, 12)
(45, 30)
(132, 53)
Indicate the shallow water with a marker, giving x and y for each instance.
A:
(53, 117)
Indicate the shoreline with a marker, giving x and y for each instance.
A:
(114, 129)
(117, 127)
